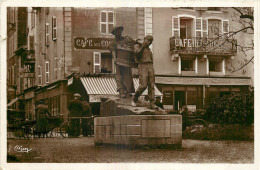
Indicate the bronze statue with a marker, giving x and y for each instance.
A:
(144, 58)
(122, 52)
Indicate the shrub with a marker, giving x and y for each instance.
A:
(237, 108)
(221, 132)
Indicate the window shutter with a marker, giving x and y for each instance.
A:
(40, 75)
(175, 26)
(205, 28)
(225, 27)
(103, 21)
(97, 62)
(47, 34)
(110, 21)
(198, 27)
(47, 71)
(54, 28)
(33, 18)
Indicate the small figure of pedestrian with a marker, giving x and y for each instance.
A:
(86, 127)
(42, 114)
(158, 102)
(75, 108)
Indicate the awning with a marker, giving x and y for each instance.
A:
(12, 101)
(203, 81)
(97, 87)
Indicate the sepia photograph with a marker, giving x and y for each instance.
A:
(128, 84)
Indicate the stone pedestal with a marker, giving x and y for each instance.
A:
(137, 126)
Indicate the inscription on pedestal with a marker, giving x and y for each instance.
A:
(156, 128)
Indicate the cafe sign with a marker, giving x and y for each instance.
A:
(91, 43)
(203, 45)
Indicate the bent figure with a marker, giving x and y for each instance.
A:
(121, 49)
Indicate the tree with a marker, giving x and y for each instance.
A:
(243, 18)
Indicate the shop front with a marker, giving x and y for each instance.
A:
(196, 92)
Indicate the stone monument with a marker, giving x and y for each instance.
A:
(124, 121)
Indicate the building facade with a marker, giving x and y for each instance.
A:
(192, 57)
(51, 51)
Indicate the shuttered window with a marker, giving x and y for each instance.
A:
(198, 27)
(47, 34)
(106, 22)
(47, 72)
(175, 26)
(97, 62)
(54, 28)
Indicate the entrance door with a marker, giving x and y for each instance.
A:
(179, 100)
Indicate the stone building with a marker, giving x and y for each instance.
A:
(55, 52)
(192, 57)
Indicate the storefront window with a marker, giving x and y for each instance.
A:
(54, 105)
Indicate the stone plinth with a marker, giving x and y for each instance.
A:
(138, 126)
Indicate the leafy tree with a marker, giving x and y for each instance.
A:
(237, 108)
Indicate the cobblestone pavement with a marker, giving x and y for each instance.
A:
(83, 150)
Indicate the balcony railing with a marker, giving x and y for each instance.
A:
(198, 45)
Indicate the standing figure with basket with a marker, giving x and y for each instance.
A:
(122, 52)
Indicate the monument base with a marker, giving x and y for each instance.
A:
(163, 131)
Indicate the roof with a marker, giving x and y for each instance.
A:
(107, 86)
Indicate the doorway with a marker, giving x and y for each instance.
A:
(179, 99)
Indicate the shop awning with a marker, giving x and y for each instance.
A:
(12, 102)
(97, 87)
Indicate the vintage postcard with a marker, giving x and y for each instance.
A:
(151, 85)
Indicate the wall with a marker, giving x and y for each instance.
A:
(162, 31)
(86, 23)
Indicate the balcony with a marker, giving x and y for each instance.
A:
(200, 46)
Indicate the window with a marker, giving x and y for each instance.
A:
(215, 65)
(31, 42)
(225, 28)
(187, 64)
(33, 19)
(54, 105)
(47, 71)
(47, 34)
(185, 28)
(97, 62)
(106, 63)
(39, 75)
(214, 28)
(191, 97)
(54, 28)
(106, 22)
(56, 68)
